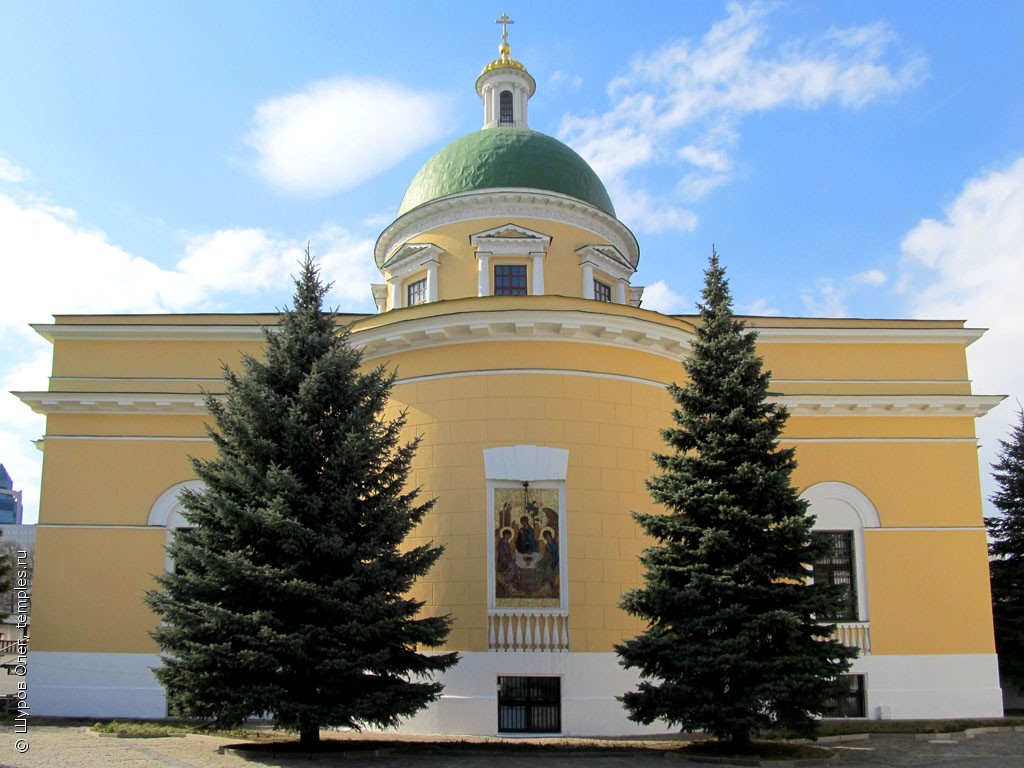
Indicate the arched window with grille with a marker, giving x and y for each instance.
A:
(505, 116)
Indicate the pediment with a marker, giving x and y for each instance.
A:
(510, 238)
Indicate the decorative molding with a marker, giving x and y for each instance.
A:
(166, 510)
(114, 402)
(606, 258)
(412, 257)
(888, 405)
(593, 327)
(168, 332)
(853, 335)
(507, 203)
(496, 241)
(841, 506)
(526, 463)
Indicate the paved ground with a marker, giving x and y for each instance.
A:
(66, 746)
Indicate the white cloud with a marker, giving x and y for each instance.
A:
(660, 298)
(970, 265)
(10, 172)
(53, 264)
(563, 81)
(829, 296)
(336, 133)
(681, 107)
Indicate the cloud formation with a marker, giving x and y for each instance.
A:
(10, 172)
(681, 107)
(61, 266)
(969, 264)
(829, 297)
(336, 133)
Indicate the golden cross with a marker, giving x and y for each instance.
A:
(504, 21)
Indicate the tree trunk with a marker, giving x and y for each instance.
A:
(739, 740)
(309, 735)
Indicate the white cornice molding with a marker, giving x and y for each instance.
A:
(974, 406)
(497, 242)
(511, 203)
(115, 403)
(537, 325)
(143, 403)
(607, 259)
(168, 332)
(852, 335)
(412, 257)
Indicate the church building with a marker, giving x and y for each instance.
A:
(537, 381)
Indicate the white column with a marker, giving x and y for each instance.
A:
(432, 280)
(538, 273)
(395, 291)
(622, 290)
(483, 274)
(588, 280)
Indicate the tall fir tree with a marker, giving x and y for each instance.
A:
(733, 642)
(289, 594)
(1006, 564)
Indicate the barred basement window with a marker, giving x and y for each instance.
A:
(837, 567)
(505, 109)
(529, 704)
(509, 279)
(416, 293)
(602, 291)
(850, 701)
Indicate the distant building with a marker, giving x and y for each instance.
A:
(10, 500)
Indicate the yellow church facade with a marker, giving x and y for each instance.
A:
(537, 382)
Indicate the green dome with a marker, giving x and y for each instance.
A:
(506, 157)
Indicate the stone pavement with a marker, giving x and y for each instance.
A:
(75, 746)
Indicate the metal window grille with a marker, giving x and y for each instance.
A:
(529, 704)
(837, 567)
(416, 292)
(602, 291)
(849, 702)
(505, 116)
(510, 280)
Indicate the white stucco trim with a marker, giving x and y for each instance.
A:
(526, 463)
(931, 686)
(901, 687)
(842, 507)
(95, 685)
(510, 204)
(166, 510)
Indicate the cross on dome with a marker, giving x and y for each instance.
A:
(504, 21)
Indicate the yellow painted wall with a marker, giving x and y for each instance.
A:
(113, 482)
(928, 592)
(918, 580)
(89, 584)
(910, 484)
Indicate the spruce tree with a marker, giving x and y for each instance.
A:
(289, 595)
(1006, 564)
(733, 642)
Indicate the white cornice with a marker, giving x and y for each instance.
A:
(853, 335)
(115, 402)
(509, 203)
(888, 405)
(539, 325)
(167, 332)
(142, 403)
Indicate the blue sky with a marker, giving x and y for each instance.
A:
(860, 159)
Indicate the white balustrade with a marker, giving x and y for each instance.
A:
(528, 630)
(855, 634)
